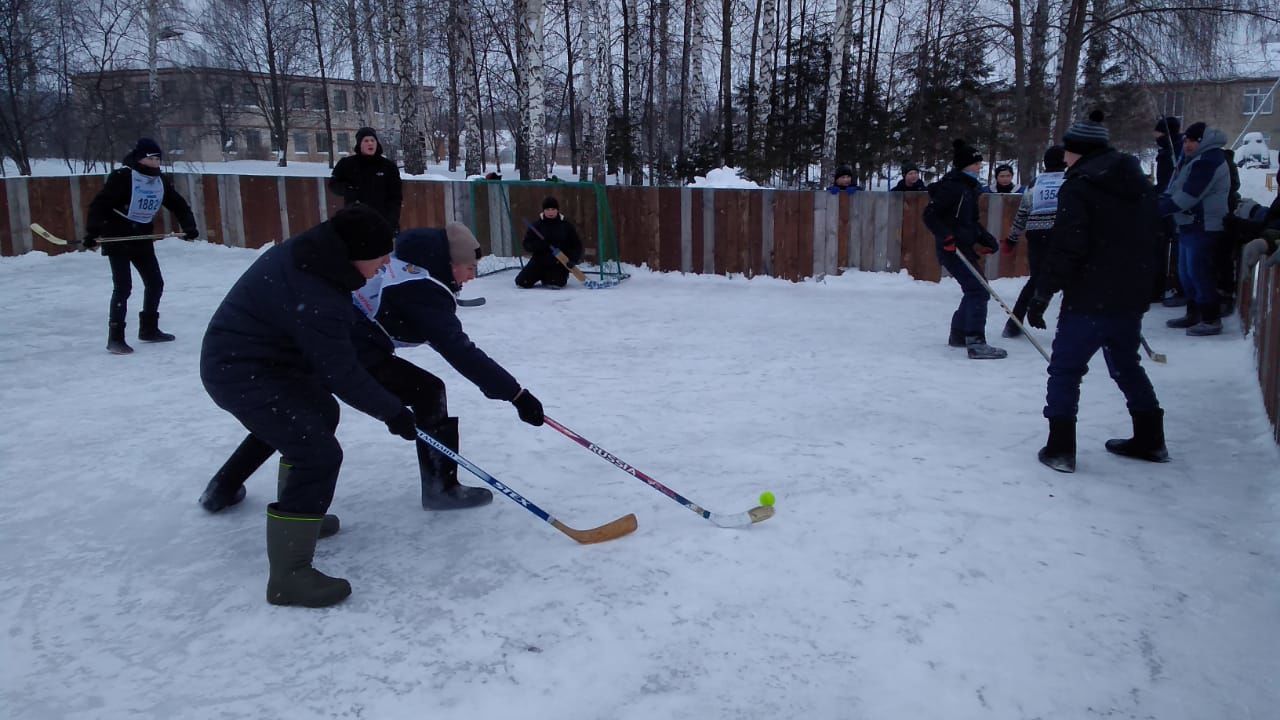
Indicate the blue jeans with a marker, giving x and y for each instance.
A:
(971, 317)
(1195, 266)
(1079, 336)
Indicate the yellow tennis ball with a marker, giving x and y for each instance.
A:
(766, 498)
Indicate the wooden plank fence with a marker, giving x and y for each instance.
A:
(782, 233)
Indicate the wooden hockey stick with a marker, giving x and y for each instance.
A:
(49, 237)
(560, 256)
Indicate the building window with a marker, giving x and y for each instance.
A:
(322, 143)
(169, 89)
(173, 138)
(248, 95)
(253, 141)
(359, 101)
(377, 106)
(298, 100)
(1174, 104)
(339, 100)
(229, 142)
(223, 94)
(344, 142)
(1256, 100)
(142, 93)
(301, 144)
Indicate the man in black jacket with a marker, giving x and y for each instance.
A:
(277, 350)
(367, 177)
(952, 217)
(1168, 150)
(550, 234)
(127, 206)
(910, 179)
(410, 303)
(1100, 257)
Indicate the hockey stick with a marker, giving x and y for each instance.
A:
(1007, 311)
(1155, 356)
(560, 256)
(756, 514)
(609, 531)
(49, 237)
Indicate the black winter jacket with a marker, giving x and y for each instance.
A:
(1168, 150)
(953, 211)
(902, 185)
(108, 210)
(1103, 248)
(370, 179)
(545, 234)
(288, 319)
(424, 311)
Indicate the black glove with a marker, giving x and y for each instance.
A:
(191, 233)
(403, 424)
(90, 242)
(528, 406)
(1035, 311)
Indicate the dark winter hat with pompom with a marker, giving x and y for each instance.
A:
(908, 167)
(364, 231)
(1196, 131)
(963, 154)
(843, 171)
(1086, 136)
(1168, 125)
(1054, 159)
(550, 202)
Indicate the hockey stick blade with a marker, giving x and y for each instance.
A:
(471, 302)
(45, 235)
(624, 525)
(740, 520)
(1160, 358)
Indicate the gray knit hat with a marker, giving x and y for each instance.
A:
(1086, 136)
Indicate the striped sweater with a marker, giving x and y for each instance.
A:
(1039, 205)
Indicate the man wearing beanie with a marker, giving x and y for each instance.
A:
(842, 182)
(126, 206)
(550, 234)
(1168, 150)
(952, 217)
(910, 180)
(278, 348)
(1035, 215)
(409, 303)
(365, 176)
(1100, 256)
(1196, 199)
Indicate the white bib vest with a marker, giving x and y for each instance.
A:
(1044, 194)
(148, 193)
(395, 272)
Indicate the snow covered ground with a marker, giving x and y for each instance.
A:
(922, 564)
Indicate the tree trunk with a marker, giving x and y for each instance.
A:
(314, 6)
(572, 103)
(411, 140)
(1072, 42)
(726, 81)
(661, 155)
(469, 81)
(835, 79)
(632, 89)
(454, 29)
(359, 95)
(532, 26)
(595, 43)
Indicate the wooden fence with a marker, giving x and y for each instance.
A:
(784, 233)
(1259, 306)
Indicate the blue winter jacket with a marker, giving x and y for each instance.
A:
(286, 321)
(423, 310)
(1201, 182)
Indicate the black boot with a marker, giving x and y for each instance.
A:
(1011, 329)
(227, 486)
(980, 350)
(1059, 452)
(1147, 442)
(329, 524)
(1192, 318)
(291, 546)
(440, 487)
(115, 339)
(149, 328)
(1210, 322)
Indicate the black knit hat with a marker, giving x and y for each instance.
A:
(963, 155)
(1168, 125)
(365, 132)
(1004, 167)
(1086, 136)
(908, 167)
(842, 171)
(550, 202)
(1054, 160)
(366, 234)
(1195, 131)
(146, 146)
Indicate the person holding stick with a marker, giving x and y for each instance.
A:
(555, 247)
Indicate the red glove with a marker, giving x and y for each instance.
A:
(1010, 247)
(949, 244)
(982, 249)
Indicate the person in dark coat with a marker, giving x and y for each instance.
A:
(952, 217)
(549, 234)
(1168, 151)
(277, 350)
(1099, 256)
(1035, 216)
(910, 180)
(406, 305)
(842, 182)
(365, 176)
(1004, 180)
(127, 205)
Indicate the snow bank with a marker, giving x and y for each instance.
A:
(724, 177)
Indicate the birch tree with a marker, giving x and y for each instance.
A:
(531, 39)
(411, 137)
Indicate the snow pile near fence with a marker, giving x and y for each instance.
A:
(723, 177)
